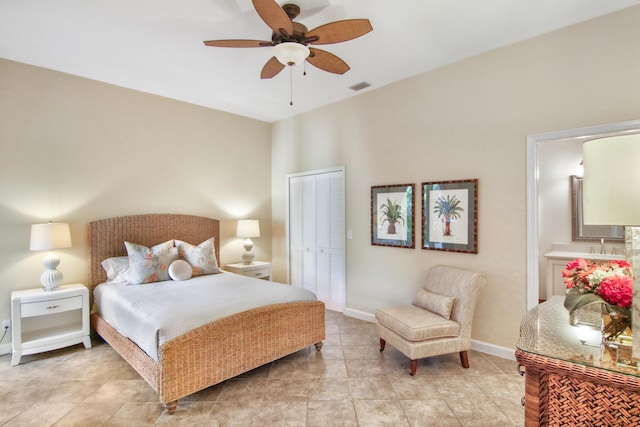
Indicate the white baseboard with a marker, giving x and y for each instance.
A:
(494, 350)
(357, 314)
(484, 347)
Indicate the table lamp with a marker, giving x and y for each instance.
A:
(248, 228)
(47, 237)
(611, 196)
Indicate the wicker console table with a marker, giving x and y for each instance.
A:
(568, 383)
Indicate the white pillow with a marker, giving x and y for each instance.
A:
(116, 268)
(180, 270)
(202, 257)
(148, 265)
(435, 303)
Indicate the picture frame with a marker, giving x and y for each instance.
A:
(581, 232)
(392, 215)
(450, 216)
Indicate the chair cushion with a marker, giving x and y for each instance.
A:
(435, 303)
(416, 324)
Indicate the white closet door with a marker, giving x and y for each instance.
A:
(295, 232)
(323, 238)
(309, 233)
(338, 287)
(316, 236)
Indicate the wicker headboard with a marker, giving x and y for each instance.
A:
(107, 236)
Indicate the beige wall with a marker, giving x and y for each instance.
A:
(467, 120)
(75, 150)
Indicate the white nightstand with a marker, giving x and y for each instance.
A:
(257, 269)
(44, 321)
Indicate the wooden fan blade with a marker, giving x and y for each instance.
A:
(273, 15)
(271, 68)
(327, 61)
(339, 31)
(238, 43)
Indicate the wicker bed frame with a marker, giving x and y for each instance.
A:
(216, 351)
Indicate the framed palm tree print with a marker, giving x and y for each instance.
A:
(392, 214)
(450, 216)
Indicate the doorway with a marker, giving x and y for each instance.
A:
(533, 197)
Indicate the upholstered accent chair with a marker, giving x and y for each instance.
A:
(439, 319)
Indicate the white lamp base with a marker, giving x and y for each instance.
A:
(248, 256)
(51, 278)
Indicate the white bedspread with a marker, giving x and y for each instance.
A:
(155, 313)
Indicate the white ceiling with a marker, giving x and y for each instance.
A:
(155, 46)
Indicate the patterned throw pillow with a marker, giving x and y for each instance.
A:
(202, 257)
(148, 265)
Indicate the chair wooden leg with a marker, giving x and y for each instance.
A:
(464, 359)
(413, 367)
(382, 344)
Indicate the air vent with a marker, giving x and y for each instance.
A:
(359, 86)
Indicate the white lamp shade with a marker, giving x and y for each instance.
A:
(611, 182)
(53, 235)
(291, 53)
(248, 228)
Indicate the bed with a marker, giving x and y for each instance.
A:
(211, 353)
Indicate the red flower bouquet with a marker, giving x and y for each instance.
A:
(617, 290)
(610, 284)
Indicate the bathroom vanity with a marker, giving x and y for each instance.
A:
(558, 258)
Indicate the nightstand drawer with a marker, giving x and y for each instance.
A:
(49, 307)
(260, 273)
(257, 269)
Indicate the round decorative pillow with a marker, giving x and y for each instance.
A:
(180, 270)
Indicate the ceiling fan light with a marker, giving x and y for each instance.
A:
(291, 53)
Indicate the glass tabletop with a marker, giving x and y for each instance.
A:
(547, 331)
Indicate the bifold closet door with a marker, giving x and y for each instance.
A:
(316, 236)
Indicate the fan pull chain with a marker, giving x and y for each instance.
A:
(304, 68)
(290, 85)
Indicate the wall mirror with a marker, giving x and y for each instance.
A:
(581, 232)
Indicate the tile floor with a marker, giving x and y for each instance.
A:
(349, 383)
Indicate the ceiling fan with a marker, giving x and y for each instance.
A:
(290, 40)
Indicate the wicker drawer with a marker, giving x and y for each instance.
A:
(52, 306)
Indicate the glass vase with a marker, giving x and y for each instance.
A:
(617, 335)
